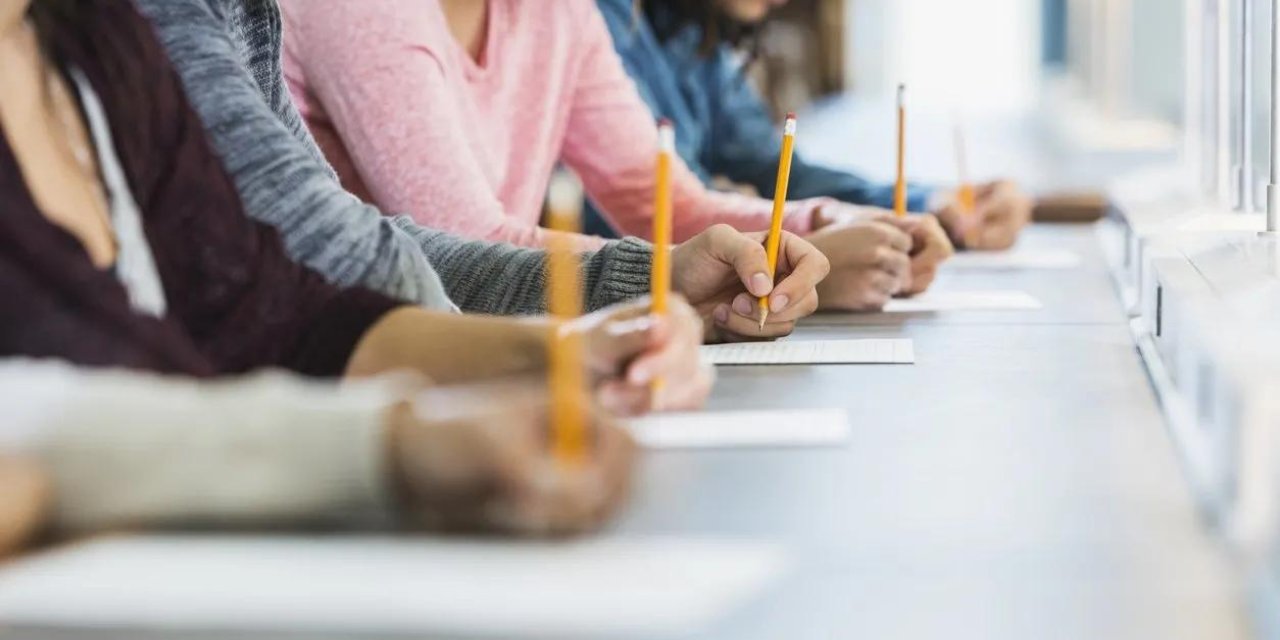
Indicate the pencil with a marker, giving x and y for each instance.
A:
(779, 204)
(564, 301)
(900, 186)
(965, 195)
(660, 278)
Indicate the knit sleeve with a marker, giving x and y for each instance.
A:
(129, 449)
(283, 182)
(244, 303)
(487, 277)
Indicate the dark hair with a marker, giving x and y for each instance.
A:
(51, 18)
(669, 17)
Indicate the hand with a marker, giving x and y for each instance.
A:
(722, 272)
(840, 214)
(24, 501)
(930, 247)
(1002, 211)
(627, 347)
(477, 459)
(869, 265)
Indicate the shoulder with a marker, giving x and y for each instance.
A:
(418, 20)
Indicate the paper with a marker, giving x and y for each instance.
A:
(965, 301)
(870, 351)
(1013, 260)
(738, 429)
(380, 585)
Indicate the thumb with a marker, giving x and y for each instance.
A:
(746, 255)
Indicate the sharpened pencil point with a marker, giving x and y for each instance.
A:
(764, 315)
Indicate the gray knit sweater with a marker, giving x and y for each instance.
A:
(228, 54)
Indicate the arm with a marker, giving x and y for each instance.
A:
(283, 181)
(611, 141)
(280, 182)
(487, 277)
(229, 283)
(127, 449)
(744, 144)
(385, 90)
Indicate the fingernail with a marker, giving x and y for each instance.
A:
(779, 302)
(742, 305)
(721, 314)
(761, 284)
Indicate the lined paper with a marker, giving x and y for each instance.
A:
(965, 301)
(384, 585)
(1013, 260)
(739, 429)
(867, 351)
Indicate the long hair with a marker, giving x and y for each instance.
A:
(669, 17)
(51, 19)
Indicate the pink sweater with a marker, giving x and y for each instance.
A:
(413, 123)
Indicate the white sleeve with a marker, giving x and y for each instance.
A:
(125, 448)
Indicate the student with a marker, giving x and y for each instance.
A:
(459, 110)
(686, 57)
(228, 54)
(124, 246)
(88, 450)
(127, 245)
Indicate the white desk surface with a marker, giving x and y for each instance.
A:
(1016, 482)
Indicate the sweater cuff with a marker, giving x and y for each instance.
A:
(341, 324)
(619, 272)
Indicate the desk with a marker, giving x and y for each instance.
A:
(1017, 482)
(1039, 496)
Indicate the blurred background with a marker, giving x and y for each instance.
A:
(1125, 82)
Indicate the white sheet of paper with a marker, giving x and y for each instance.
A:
(381, 585)
(869, 351)
(738, 429)
(1013, 260)
(965, 301)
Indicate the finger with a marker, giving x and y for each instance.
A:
(692, 395)
(745, 254)
(896, 238)
(804, 265)
(621, 342)
(616, 456)
(894, 262)
(743, 328)
(624, 399)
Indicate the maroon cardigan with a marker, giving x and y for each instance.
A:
(236, 302)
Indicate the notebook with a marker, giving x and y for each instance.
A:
(965, 301)
(868, 351)
(738, 429)
(388, 585)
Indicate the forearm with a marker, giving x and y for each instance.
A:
(126, 449)
(451, 348)
(495, 278)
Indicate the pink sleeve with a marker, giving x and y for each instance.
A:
(385, 90)
(611, 142)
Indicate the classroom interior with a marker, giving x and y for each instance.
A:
(1078, 437)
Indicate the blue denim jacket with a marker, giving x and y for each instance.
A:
(723, 127)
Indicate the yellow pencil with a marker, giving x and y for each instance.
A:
(779, 204)
(564, 301)
(900, 186)
(660, 278)
(965, 195)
